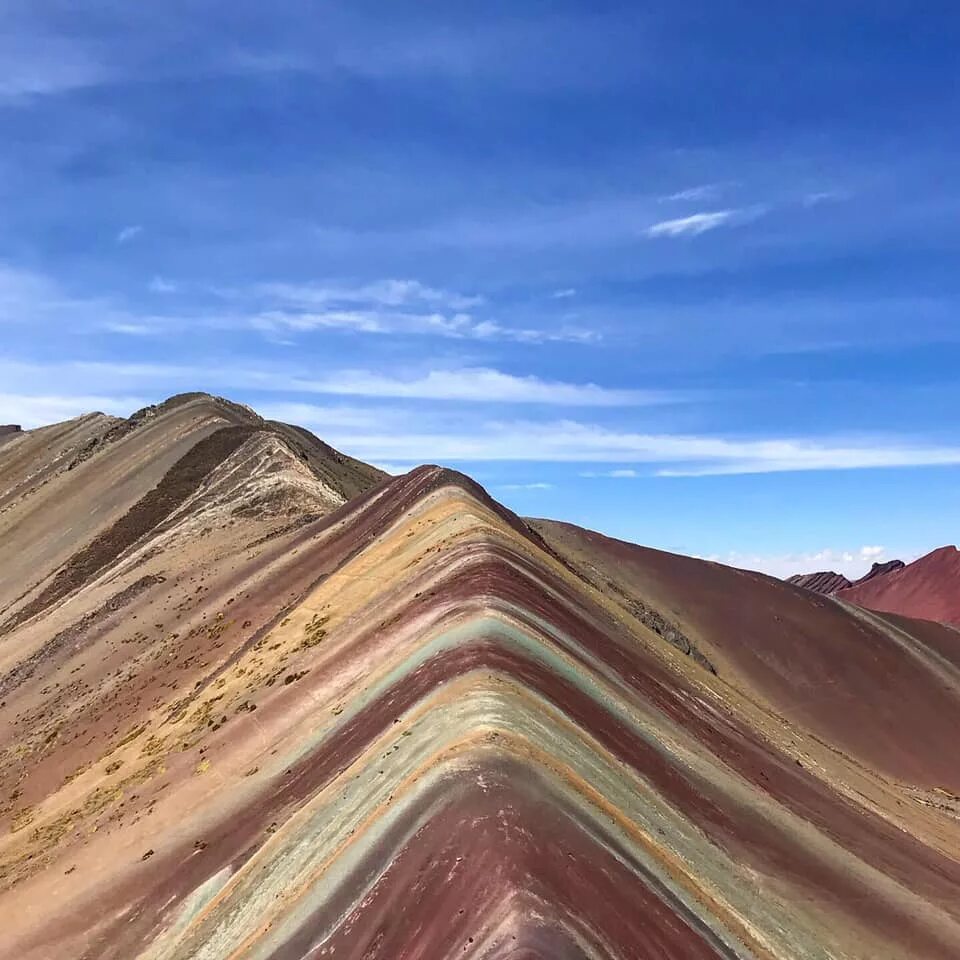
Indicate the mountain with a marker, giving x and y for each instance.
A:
(880, 570)
(825, 582)
(828, 583)
(928, 588)
(240, 717)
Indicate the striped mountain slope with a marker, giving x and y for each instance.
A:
(418, 726)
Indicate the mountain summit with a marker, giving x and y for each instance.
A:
(259, 700)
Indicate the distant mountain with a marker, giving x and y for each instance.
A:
(880, 570)
(829, 583)
(825, 582)
(928, 588)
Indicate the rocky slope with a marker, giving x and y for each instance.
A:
(416, 725)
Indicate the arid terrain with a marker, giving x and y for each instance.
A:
(260, 700)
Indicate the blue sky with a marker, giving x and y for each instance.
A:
(682, 272)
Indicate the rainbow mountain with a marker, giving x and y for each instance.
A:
(259, 700)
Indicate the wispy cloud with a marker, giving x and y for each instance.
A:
(160, 285)
(563, 294)
(467, 384)
(39, 393)
(525, 486)
(31, 410)
(456, 326)
(129, 233)
(278, 310)
(130, 329)
(483, 385)
(38, 64)
(666, 455)
(386, 293)
(693, 225)
(706, 191)
(392, 307)
(619, 474)
(851, 562)
(824, 196)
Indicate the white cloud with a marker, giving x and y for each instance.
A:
(33, 65)
(129, 233)
(34, 411)
(383, 435)
(159, 285)
(564, 294)
(28, 297)
(457, 326)
(22, 291)
(329, 416)
(404, 307)
(37, 300)
(525, 486)
(781, 456)
(824, 196)
(394, 469)
(467, 384)
(704, 192)
(130, 329)
(626, 472)
(479, 384)
(852, 562)
(384, 293)
(693, 225)
(692, 455)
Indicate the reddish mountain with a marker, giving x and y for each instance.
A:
(829, 583)
(928, 588)
(880, 570)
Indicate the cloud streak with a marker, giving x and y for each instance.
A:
(129, 233)
(456, 326)
(692, 226)
(706, 191)
(385, 293)
(465, 384)
(31, 410)
(381, 434)
(850, 562)
(663, 455)
(483, 385)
